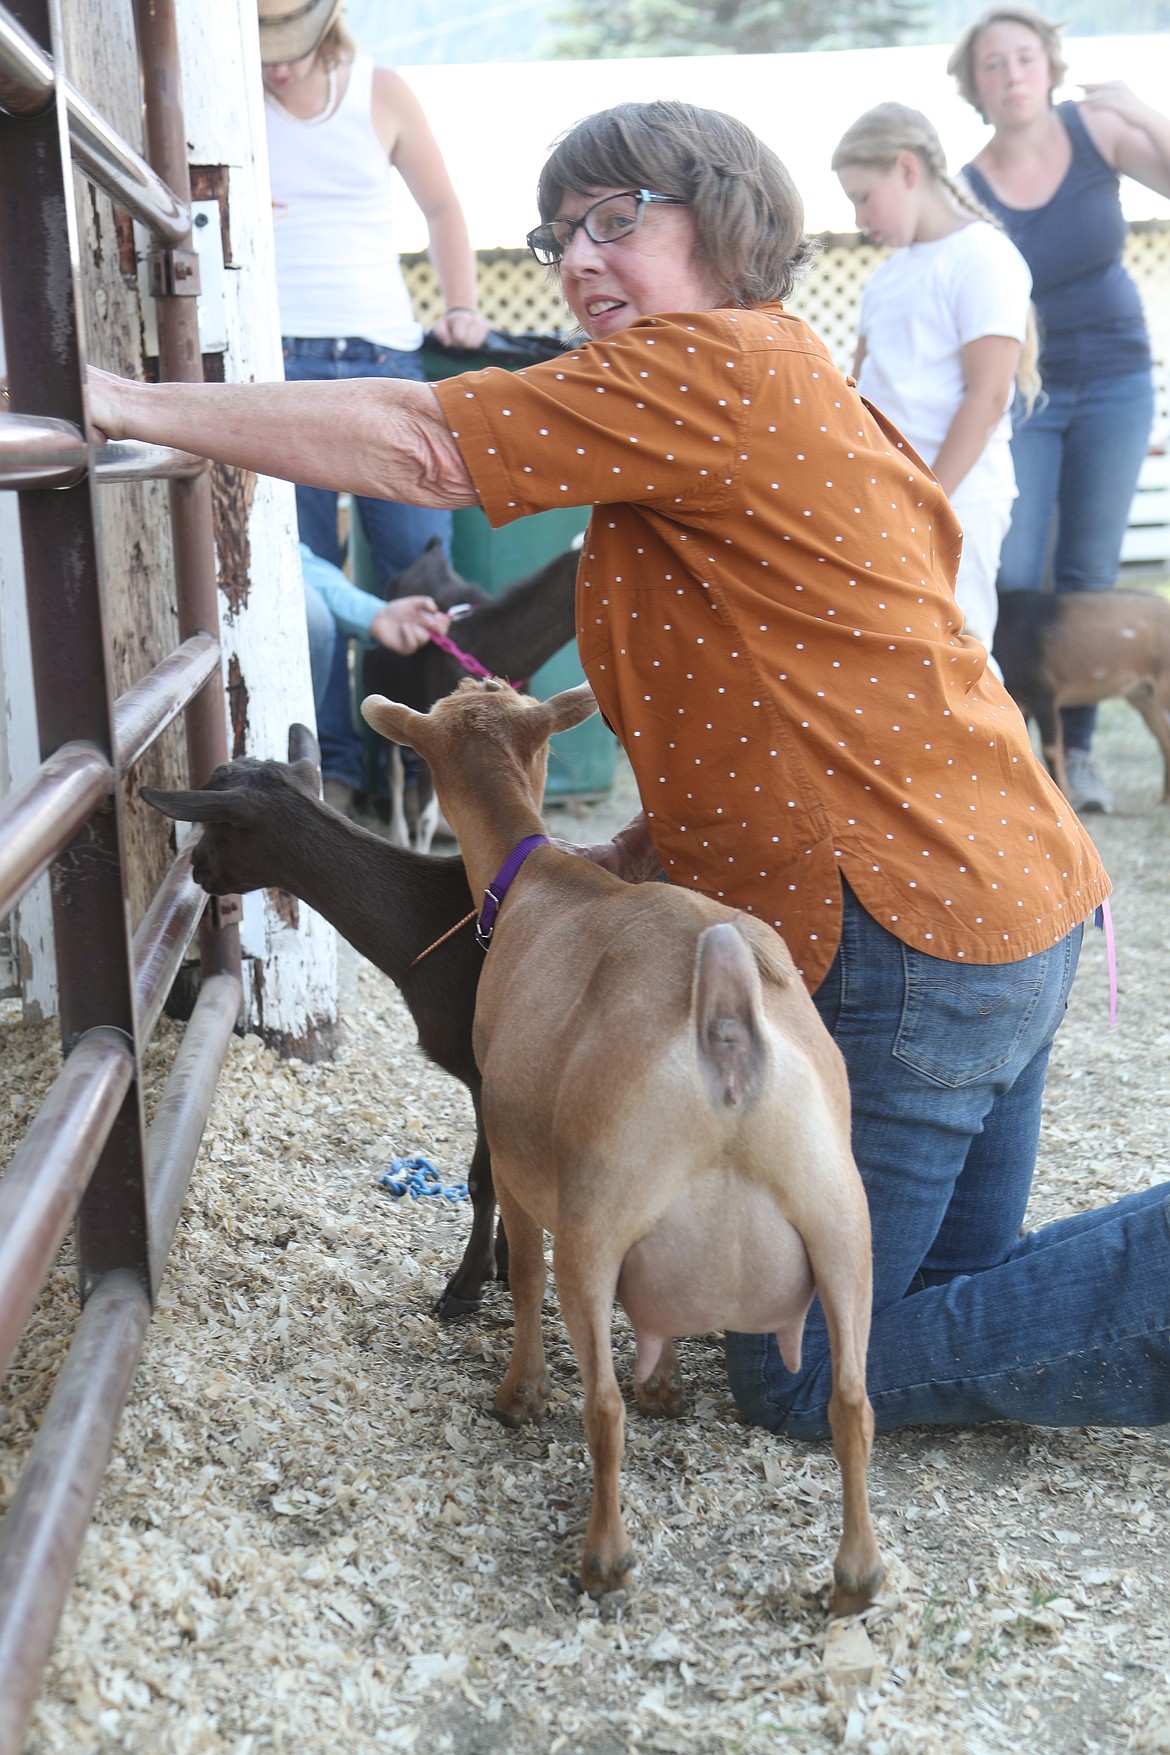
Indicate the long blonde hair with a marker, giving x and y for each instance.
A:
(876, 139)
(337, 45)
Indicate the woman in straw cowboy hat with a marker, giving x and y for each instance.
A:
(338, 129)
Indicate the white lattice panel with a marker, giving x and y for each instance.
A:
(519, 295)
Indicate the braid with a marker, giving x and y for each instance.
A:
(876, 139)
(965, 197)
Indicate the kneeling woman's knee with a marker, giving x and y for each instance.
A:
(769, 1395)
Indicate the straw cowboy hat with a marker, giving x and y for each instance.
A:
(289, 31)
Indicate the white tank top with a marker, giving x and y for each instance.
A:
(337, 271)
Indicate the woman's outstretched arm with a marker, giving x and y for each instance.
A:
(385, 437)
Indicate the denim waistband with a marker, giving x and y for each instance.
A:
(343, 347)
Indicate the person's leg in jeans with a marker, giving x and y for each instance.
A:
(341, 746)
(1105, 444)
(1037, 456)
(396, 535)
(971, 1321)
(322, 631)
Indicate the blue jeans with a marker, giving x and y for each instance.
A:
(396, 534)
(1065, 1326)
(323, 640)
(1077, 458)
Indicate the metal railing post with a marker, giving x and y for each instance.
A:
(70, 647)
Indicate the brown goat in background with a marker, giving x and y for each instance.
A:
(1075, 648)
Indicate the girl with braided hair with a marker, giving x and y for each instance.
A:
(945, 333)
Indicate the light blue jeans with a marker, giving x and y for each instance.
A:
(1065, 1326)
(1077, 459)
(396, 534)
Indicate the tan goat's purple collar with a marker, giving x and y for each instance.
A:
(499, 886)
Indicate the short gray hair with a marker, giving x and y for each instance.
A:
(748, 214)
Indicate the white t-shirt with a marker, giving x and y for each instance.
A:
(919, 309)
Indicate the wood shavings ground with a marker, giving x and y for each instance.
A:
(314, 1537)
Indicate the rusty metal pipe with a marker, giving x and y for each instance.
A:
(147, 708)
(26, 72)
(26, 89)
(135, 460)
(50, 1169)
(105, 158)
(36, 451)
(42, 815)
(42, 1534)
(173, 1141)
(180, 360)
(167, 928)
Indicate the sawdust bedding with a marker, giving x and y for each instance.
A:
(313, 1535)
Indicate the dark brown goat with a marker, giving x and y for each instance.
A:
(511, 635)
(265, 827)
(1073, 649)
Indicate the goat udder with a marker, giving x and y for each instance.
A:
(721, 1256)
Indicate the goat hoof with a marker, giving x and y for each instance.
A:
(852, 1594)
(600, 1576)
(451, 1304)
(516, 1407)
(661, 1397)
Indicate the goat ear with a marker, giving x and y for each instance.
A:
(303, 746)
(393, 721)
(569, 708)
(200, 807)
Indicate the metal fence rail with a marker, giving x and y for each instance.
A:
(87, 1158)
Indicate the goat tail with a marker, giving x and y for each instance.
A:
(726, 1006)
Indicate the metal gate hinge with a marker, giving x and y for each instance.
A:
(173, 273)
(225, 911)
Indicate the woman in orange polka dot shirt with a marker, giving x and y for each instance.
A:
(766, 615)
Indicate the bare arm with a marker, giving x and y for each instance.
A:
(1131, 136)
(414, 151)
(630, 855)
(385, 437)
(989, 366)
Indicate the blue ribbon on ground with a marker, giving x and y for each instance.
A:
(419, 1178)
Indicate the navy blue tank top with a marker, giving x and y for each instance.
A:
(1088, 309)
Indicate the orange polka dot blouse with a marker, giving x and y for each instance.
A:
(765, 613)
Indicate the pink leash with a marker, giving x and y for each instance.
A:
(446, 644)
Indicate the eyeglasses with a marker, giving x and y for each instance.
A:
(608, 221)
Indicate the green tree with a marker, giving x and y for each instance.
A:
(610, 29)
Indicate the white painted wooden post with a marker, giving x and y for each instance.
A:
(290, 967)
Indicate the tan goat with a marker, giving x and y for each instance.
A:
(1075, 648)
(661, 1095)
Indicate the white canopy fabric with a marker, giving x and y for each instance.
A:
(496, 121)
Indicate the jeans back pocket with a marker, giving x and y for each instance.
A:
(961, 1022)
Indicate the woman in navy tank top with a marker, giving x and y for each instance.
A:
(1050, 173)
